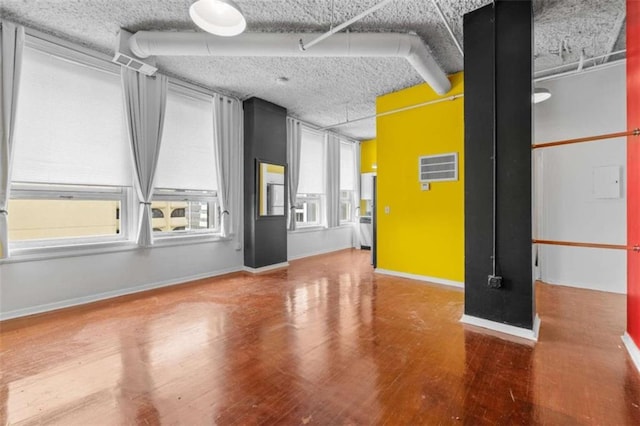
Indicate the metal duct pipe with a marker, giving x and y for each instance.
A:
(411, 47)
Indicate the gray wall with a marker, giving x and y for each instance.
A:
(265, 139)
(62, 279)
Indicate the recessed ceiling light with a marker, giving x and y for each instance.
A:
(219, 17)
(282, 80)
(540, 94)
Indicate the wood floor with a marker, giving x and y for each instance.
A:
(324, 342)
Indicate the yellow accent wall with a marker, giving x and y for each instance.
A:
(368, 156)
(423, 232)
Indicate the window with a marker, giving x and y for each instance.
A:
(47, 213)
(71, 172)
(309, 209)
(185, 211)
(186, 180)
(346, 206)
(348, 170)
(157, 213)
(179, 212)
(311, 192)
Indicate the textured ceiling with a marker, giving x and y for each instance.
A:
(325, 91)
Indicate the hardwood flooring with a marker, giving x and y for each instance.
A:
(324, 342)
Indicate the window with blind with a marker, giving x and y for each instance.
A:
(186, 179)
(311, 190)
(71, 171)
(348, 170)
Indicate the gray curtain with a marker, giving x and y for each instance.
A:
(10, 64)
(333, 181)
(145, 101)
(227, 134)
(294, 138)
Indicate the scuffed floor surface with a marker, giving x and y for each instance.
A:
(324, 342)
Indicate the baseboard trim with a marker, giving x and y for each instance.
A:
(267, 268)
(632, 349)
(524, 333)
(319, 252)
(416, 277)
(111, 294)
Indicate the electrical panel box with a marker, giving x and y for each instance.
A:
(607, 182)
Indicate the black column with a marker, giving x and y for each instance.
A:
(497, 79)
(265, 139)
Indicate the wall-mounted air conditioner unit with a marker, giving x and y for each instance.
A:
(438, 168)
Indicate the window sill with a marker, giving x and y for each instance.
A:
(54, 252)
(346, 224)
(89, 249)
(304, 229)
(187, 239)
(317, 228)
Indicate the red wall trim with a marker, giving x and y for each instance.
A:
(633, 169)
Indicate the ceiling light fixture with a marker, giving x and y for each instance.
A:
(540, 94)
(219, 17)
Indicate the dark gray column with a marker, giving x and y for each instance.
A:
(497, 79)
(265, 139)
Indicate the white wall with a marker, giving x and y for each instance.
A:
(303, 243)
(33, 286)
(585, 104)
(36, 286)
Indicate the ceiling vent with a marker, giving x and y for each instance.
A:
(123, 56)
(438, 168)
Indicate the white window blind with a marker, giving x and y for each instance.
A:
(347, 166)
(186, 154)
(312, 163)
(70, 125)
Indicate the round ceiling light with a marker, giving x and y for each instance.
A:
(540, 94)
(219, 17)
